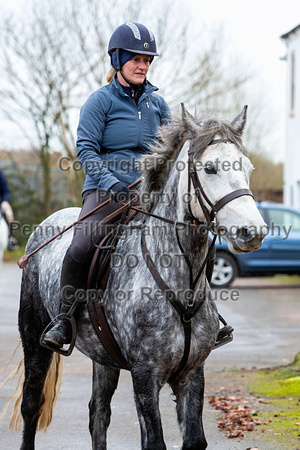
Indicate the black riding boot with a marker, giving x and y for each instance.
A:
(73, 277)
(225, 333)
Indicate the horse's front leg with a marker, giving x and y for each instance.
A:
(189, 394)
(146, 392)
(105, 381)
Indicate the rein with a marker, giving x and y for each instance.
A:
(193, 178)
(23, 261)
(193, 304)
(189, 311)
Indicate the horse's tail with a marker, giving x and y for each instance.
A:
(17, 395)
(51, 391)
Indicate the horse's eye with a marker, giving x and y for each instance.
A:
(210, 168)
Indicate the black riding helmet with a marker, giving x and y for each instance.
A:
(132, 37)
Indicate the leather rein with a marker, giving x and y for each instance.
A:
(188, 312)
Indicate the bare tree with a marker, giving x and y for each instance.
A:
(55, 55)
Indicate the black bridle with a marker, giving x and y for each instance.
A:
(188, 312)
(193, 178)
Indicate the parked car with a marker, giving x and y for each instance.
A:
(279, 253)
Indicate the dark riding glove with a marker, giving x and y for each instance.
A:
(121, 193)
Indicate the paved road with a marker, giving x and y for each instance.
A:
(266, 321)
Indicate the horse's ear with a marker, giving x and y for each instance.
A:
(187, 119)
(240, 121)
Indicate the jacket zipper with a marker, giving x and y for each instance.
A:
(139, 136)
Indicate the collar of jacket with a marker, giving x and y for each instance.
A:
(149, 88)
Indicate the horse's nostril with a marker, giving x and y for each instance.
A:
(244, 233)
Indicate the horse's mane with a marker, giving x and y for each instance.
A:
(169, 142)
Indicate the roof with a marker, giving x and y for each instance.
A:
(287, 35)
(275, 205)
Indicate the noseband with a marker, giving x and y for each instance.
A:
(193, 178)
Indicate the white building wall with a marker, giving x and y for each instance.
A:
(291, 185)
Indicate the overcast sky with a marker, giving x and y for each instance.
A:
(252, 29)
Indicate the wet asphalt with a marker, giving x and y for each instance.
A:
(266, 319)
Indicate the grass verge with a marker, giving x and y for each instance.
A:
(260, 406)
(15, 255)
(279, 399)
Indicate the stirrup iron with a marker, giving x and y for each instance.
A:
(64, 316)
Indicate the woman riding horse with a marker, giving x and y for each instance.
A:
(117, 124)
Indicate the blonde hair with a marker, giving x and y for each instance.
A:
(110, 74)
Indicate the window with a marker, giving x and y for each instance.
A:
(281, 217)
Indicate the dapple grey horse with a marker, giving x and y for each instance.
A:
(145, 324)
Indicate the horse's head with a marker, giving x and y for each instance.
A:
(219, 172)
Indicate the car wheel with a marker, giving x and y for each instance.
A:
(225, 270)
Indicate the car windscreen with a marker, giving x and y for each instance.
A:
(283, 217)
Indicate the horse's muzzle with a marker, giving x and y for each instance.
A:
(246, 240)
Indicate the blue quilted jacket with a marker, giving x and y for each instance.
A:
(113, 132)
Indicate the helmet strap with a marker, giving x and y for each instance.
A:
(133, 86)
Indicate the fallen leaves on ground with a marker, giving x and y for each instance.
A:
(238, 415)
